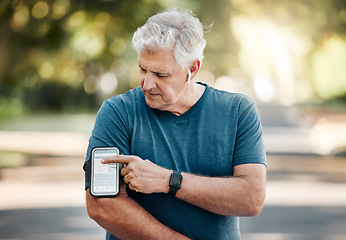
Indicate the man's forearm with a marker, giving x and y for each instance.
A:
(240, 195)
(126, 219)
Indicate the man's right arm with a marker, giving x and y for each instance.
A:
(121, 215)
(126, 219)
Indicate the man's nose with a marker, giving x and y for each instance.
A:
(148, 81)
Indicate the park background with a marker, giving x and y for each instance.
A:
(60, 59)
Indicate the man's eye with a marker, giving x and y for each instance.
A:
(161, 76)
(142, 69)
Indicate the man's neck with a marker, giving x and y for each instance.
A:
(194, 93)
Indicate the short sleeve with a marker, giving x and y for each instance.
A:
(111, 127)
(249, 146)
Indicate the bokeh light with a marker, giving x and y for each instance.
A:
(60, 8)
(40, 10)
(108, 83)
(20, 18)
(263, 88)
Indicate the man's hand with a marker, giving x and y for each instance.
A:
(142, 175)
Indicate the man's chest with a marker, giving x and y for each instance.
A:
(195, 147)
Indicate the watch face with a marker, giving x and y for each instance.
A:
(175, 181)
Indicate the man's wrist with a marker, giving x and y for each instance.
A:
(166, 183)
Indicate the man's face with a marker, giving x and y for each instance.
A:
(162, 79)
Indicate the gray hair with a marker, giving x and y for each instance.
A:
(174, 29)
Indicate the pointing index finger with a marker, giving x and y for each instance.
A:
(122, 159)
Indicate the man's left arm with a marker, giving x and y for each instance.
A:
(240, 195)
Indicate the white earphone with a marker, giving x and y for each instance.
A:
(189, 77)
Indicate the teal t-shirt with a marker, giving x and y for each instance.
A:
(220, 131)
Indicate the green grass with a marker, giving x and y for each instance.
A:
(12, 159)
(50, 123)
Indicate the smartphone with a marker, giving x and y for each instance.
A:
(104, 181)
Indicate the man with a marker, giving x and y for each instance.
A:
(193, 156)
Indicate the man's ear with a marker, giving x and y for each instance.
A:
(193, 70)
(195, 66)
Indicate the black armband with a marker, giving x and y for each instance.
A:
(86, 168)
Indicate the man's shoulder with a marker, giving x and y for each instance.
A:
(231, 98)
(122, 104)
(130, 98)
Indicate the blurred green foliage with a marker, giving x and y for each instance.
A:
(65, 55)
(50, 50)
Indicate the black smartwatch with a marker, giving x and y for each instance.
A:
(175, 182)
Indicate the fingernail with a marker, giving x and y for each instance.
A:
(102, 160)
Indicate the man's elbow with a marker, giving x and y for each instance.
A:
(94, 212)
(254, 210)
(94, 208)
(254, 206)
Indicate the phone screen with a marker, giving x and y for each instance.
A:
(104, 177)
